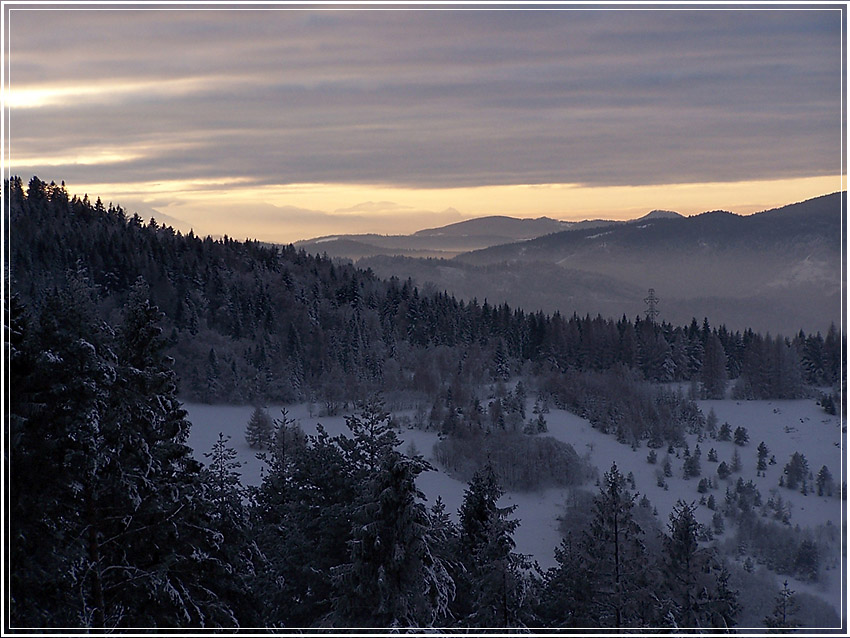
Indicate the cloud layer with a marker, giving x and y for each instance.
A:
(425, 98)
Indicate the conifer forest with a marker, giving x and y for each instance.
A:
(114, 324)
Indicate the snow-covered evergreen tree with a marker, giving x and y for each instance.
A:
(394, 578)
(372, 435)
(616, 557)
(567, 594)
(496, 581)
(127, 500)
(695, 583)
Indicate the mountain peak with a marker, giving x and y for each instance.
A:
(660, 214)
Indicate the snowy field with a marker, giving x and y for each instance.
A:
(785, 427)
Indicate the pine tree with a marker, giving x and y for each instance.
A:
(711, 423)
(742, 437)
(167, 563)
(495, 582)
(691, 466)
(615, 555)
(567, 596)
(372, 435)
(145, 549)
(824, 482)
(682, 564)
(301, 520)
(735, 466)
(762, 456)
(393, 578)
(695, 581)
(796, 470)
(61, 374)
(717, 522)
(260, 429)
(807, 561)
(713, 373)
(784, 610)
(725, 433)
(225, 502)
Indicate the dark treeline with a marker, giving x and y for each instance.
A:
(247, 321)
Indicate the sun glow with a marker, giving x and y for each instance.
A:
(39, 96)
(239, 207)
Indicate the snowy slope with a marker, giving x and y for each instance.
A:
(784, 426)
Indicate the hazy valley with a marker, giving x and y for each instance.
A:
(775, 271)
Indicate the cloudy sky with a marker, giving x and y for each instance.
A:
(284, 123)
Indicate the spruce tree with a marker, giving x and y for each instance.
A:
(225, 504)
(167, 563)
(61, 381)
(735, 465)
(682, 564)
(260, 429)
(372, 435)
(495, 584)
(301, 519)
(696, 583)
(567, 596)
(393, 579)
(127, 499)
(713, 373)
(796, 471)
(762, 457)
(824, 482)
(616, 556)
(784, 610)
(711, 423)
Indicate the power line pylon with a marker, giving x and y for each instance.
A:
(651, 302)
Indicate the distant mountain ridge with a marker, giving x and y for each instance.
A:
(777, 270)
(453, 239)
(660, 214)
(497, 226)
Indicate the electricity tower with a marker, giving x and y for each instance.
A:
(651, 302)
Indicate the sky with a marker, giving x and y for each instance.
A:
(283, 123)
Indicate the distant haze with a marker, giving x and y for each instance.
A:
(283, 123)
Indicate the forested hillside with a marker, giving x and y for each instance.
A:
(247, 321)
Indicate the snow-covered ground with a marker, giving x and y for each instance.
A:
(785, 427)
